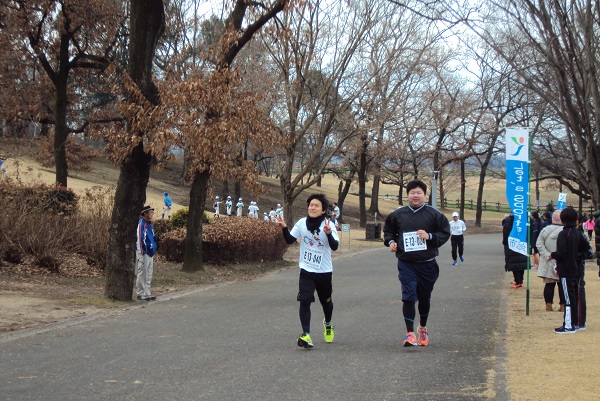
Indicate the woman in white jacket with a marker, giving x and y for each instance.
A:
(546, 244)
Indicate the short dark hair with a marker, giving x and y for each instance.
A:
(568, 216)
(414, 184)
(321, 198)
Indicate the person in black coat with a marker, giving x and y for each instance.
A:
(597, 240)
(513, 261)
(534, 232)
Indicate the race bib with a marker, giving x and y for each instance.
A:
(412, 242)
(312, 258)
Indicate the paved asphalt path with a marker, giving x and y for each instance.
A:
(238, 341)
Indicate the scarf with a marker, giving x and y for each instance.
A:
(313, 223)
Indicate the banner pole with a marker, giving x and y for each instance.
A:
(530, 139)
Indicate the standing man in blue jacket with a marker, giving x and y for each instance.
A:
(414, 233)
(167, 207)
(145, 250)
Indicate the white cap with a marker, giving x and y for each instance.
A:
(279, 205)
(217, 197)
(240, 199)
(455, 214)
(229, 197)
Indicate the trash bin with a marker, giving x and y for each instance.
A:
(373, 231)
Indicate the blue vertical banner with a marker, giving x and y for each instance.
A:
(562, 201)
(517, 186)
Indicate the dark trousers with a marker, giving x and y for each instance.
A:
(307, 284)
(549, 293)
(569, 285)
(518, 276)
(581, 303)
(457, 241)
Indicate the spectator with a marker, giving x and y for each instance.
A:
(167, 207)
(546, 244)
(240, 207)
(228, 205)
(337, 210)
(513, 261)
(597, 241)
(591, 224)
(145, 250)
(569, 244)
(535, 228)
(217, 206)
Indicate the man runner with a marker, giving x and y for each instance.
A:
(414, 233)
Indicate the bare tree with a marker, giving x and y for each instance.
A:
(553, 46)
(314, 59)
(146, 25)
(66, 39)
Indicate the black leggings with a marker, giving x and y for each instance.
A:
(408, 310)
(305, 313)
(307, 284)
(549, 293)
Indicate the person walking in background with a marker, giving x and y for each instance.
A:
(240, 207)
(591, 224)
(318, 239)
(597, 240)
(273, 215)
(535, 228)
(228, 205)
(513, 261)
(217, 206)
(546, 244)
(581, 302)
(279, 211)
(266, 216)
(415, 233)
(569, 244)
(253, 210)
(167, 207)
(337, 210)
(144, 257)
(457, 239)
(546, 219)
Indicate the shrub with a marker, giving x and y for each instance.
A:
(179, 219)
(47, 223)
(230, 240)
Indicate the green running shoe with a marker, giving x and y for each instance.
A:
(305, 341)
(328, 332)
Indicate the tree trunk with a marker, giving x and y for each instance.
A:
(362, 182)
(146, 25)
(463, 183)
(441, 194)
(130, 196)
(343, 190)
(192, 260)
(374, 208)
(60, 116)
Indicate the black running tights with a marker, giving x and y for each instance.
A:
(409, 312)
(305, 313)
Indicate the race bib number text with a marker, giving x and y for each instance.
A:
(412, 242)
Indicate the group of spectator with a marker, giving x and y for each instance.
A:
(559, 248)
